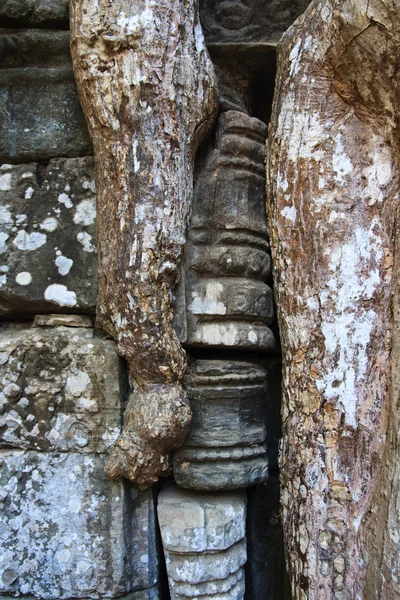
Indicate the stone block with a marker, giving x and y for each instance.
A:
(224, 300)
(41, 116)
(34, 12)
(48, 259)
(60, 389)
(68, 531)
(225, 448)
(204, 543)
(152, 593)
(248, 22)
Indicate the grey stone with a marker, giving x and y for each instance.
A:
(40, 115)
(232, 22)
(48, 259)
(225, 448)
(148, 594)
(34, 12)
(59, 389)
(62, 320)
(204, 543)
(224, 300)
(67, 531)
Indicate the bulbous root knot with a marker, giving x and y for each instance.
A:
(156, 421)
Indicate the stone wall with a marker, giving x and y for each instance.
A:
(67, 530)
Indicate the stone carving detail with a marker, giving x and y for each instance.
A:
(248, 21)
(67, 530)
(59, 389)
(204, 543)
(48, 259)
(41, 116)
(228, 303)
(225, 448)
(35, 12)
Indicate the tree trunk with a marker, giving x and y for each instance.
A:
(333, 180)
(148, 92)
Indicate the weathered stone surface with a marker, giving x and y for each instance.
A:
(223, 300)
(225, 448)
(147, 594)
(34, 12)
(68, 531)
(204, 543)
(60, 389)
(41, 116)
(227, 22)
(63, 320)
(48, 259)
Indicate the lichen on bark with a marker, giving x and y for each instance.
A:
(148, 92)
(333, 181)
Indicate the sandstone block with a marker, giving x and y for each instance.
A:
(67, 531)
(204, 543)
(41, 116)
(34, 12)
(224, 300)
(48, 259)
(225, 448)
(60, 389)
(250, 22)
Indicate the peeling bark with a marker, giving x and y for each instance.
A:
(333, 186)
(148, 92)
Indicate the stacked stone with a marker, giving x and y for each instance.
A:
(67, 531)
(204, 543)
(224, 313)
(225, 304)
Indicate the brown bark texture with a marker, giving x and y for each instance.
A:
(333, 195)
(147, 89)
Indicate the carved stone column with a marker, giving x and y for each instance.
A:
(204, 543)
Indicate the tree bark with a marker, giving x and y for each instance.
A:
(333, 181)
(147, 88)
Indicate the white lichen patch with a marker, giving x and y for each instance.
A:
(341, 162)
(20, 218)
(59, 507)
(348, 321)
(5, 182)
(85, 213)
(49, 224)
(210, 302)
(136, 162)
(23, 278)
(29, 193)
(6, 218)
(63, 264)
(65, 200)
(60, 295)
(29, 241)
(88, 185)
(215, 334)
(85, 239)
(3, 239)
(77, 383)
(290, 213)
